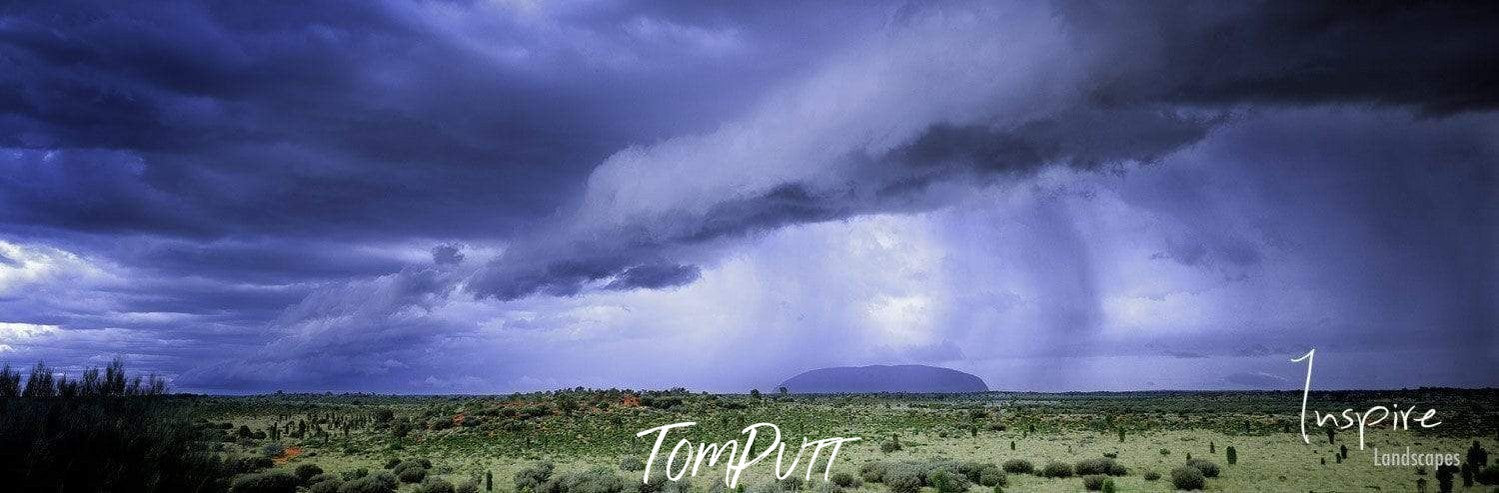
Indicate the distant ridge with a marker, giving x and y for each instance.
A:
(884, 378)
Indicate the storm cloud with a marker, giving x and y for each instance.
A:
(399, 196)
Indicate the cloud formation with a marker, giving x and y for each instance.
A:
(402, 195)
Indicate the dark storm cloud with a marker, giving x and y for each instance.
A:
(447, 254)
(228, 174)
(1431, 55)
(654, 277)
(343, 119)
(1158, 78)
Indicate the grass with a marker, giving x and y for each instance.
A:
(504, 436)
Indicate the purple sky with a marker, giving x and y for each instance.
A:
(437, 197)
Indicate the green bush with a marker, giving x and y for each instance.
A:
(328, 486)
(947, 481)
(1152, 475)
(631, 464)
(434, 485)
(992, 476)
(1488, 475)
(1209, 469)
(1103, 465)
(268, 482)
(771, 487)
(827, 487)
(905, 478)
(410, 474)
(873, 472)
(354, 474)
(1056, 470)
(1019, 466)
(244, 465)
(305, 472)
(382, 482)
(322, 477)
(657, 482)
(791, 483)
(530, 478)
(1094, 482)
(1187, 478)
(845, 480)
(977, 471)
(467, 487)
(890, 446)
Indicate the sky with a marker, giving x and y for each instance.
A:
(492, 196)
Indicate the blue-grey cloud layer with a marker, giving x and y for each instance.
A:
(469, 196)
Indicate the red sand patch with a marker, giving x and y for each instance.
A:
(288, 454)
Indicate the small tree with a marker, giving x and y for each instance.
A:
(1121, 434)
(1232, 455)
(1444, 478)
(1212, 448)
(488, 481)
(1331, 433)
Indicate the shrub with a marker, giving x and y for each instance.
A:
(392, 463)
(678, 486)
(269, 482)
(1209, 469)
(827, 487)
(656, 482)
(976, 472)
(1187, 478)
(873, 472)
(1152, 475)
(1094, 482)
(631, 464)
(328, 486)
(383, 482)
(305, 472)
(1232, 455)
(791, 483)
(1056, 470)
(1488, 475)
(435, 485)
(771, 487)
(531, 478)
(244, 465)
(467, 487)
(1108, 485)
(323, 477)
(355, 474)
(992, 476)
(904, 478)
(411, 473)
(1019, 466)
(1105, 466)
(948, 481)
(888, 447)
(844, 479)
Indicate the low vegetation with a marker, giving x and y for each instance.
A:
(104, 430)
